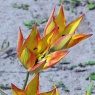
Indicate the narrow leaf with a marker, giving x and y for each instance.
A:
(89, 89)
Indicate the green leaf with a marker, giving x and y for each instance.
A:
(5, 45)
(89, 88)
(16, 6)
(73, 66)
(91, 6)
(42, 21)
(90, 63)
(66, 89)
(92, 77)
(2, 93)
(29, 24)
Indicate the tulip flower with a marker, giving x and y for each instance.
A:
(38, 53)
(30, 53)
(32, 88)
(64, 35)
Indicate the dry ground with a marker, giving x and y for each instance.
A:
(11, 70)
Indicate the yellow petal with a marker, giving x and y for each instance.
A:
(19, 43)
(38, 67)
(33, 86)
(28, 58)
(54, 58)
(50, 27)
(86, 93)
(49, 21)
(77, 38)
(44, 45)
(71, 28)
(61, 42)
(17, 91)
(60, 19)
(33, 40)
(55, 36)
(52, 92)
(57, 93)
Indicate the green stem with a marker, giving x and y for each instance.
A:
(26, 80)
(2, 93)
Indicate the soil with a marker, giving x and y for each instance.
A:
(11, 70)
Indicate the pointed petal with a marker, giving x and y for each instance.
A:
(77, 38)
(37, 67)
(71, 28)
(55, 36)
(49, 20)
(52, 92)
(54, 58)
(28, 58)
(33, 86)
(50, 27)
(33, 39)
(61, 42)
(44, 45)
(17, 91)
(19, 43)
(60, 19)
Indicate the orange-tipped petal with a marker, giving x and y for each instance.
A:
(77, 38)
(60, 19)
(49, 20)
(37, 67)
(55, 36)
(52, 92)
(19, 43)
(61, 42)
(50, 27)
(45, 44)
(71, 28)
(28, 58)
(33, 87)
(54, 58)
(17, 91)
(33, 40)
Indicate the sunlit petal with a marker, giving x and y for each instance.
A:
(33, 86)
(38, 66)
(17, 91)
(19, 43)
(77, 38)
(49, 21)
(28, 58)
(61, 42)
(60, 19)
(71, 28)
(54, 58)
